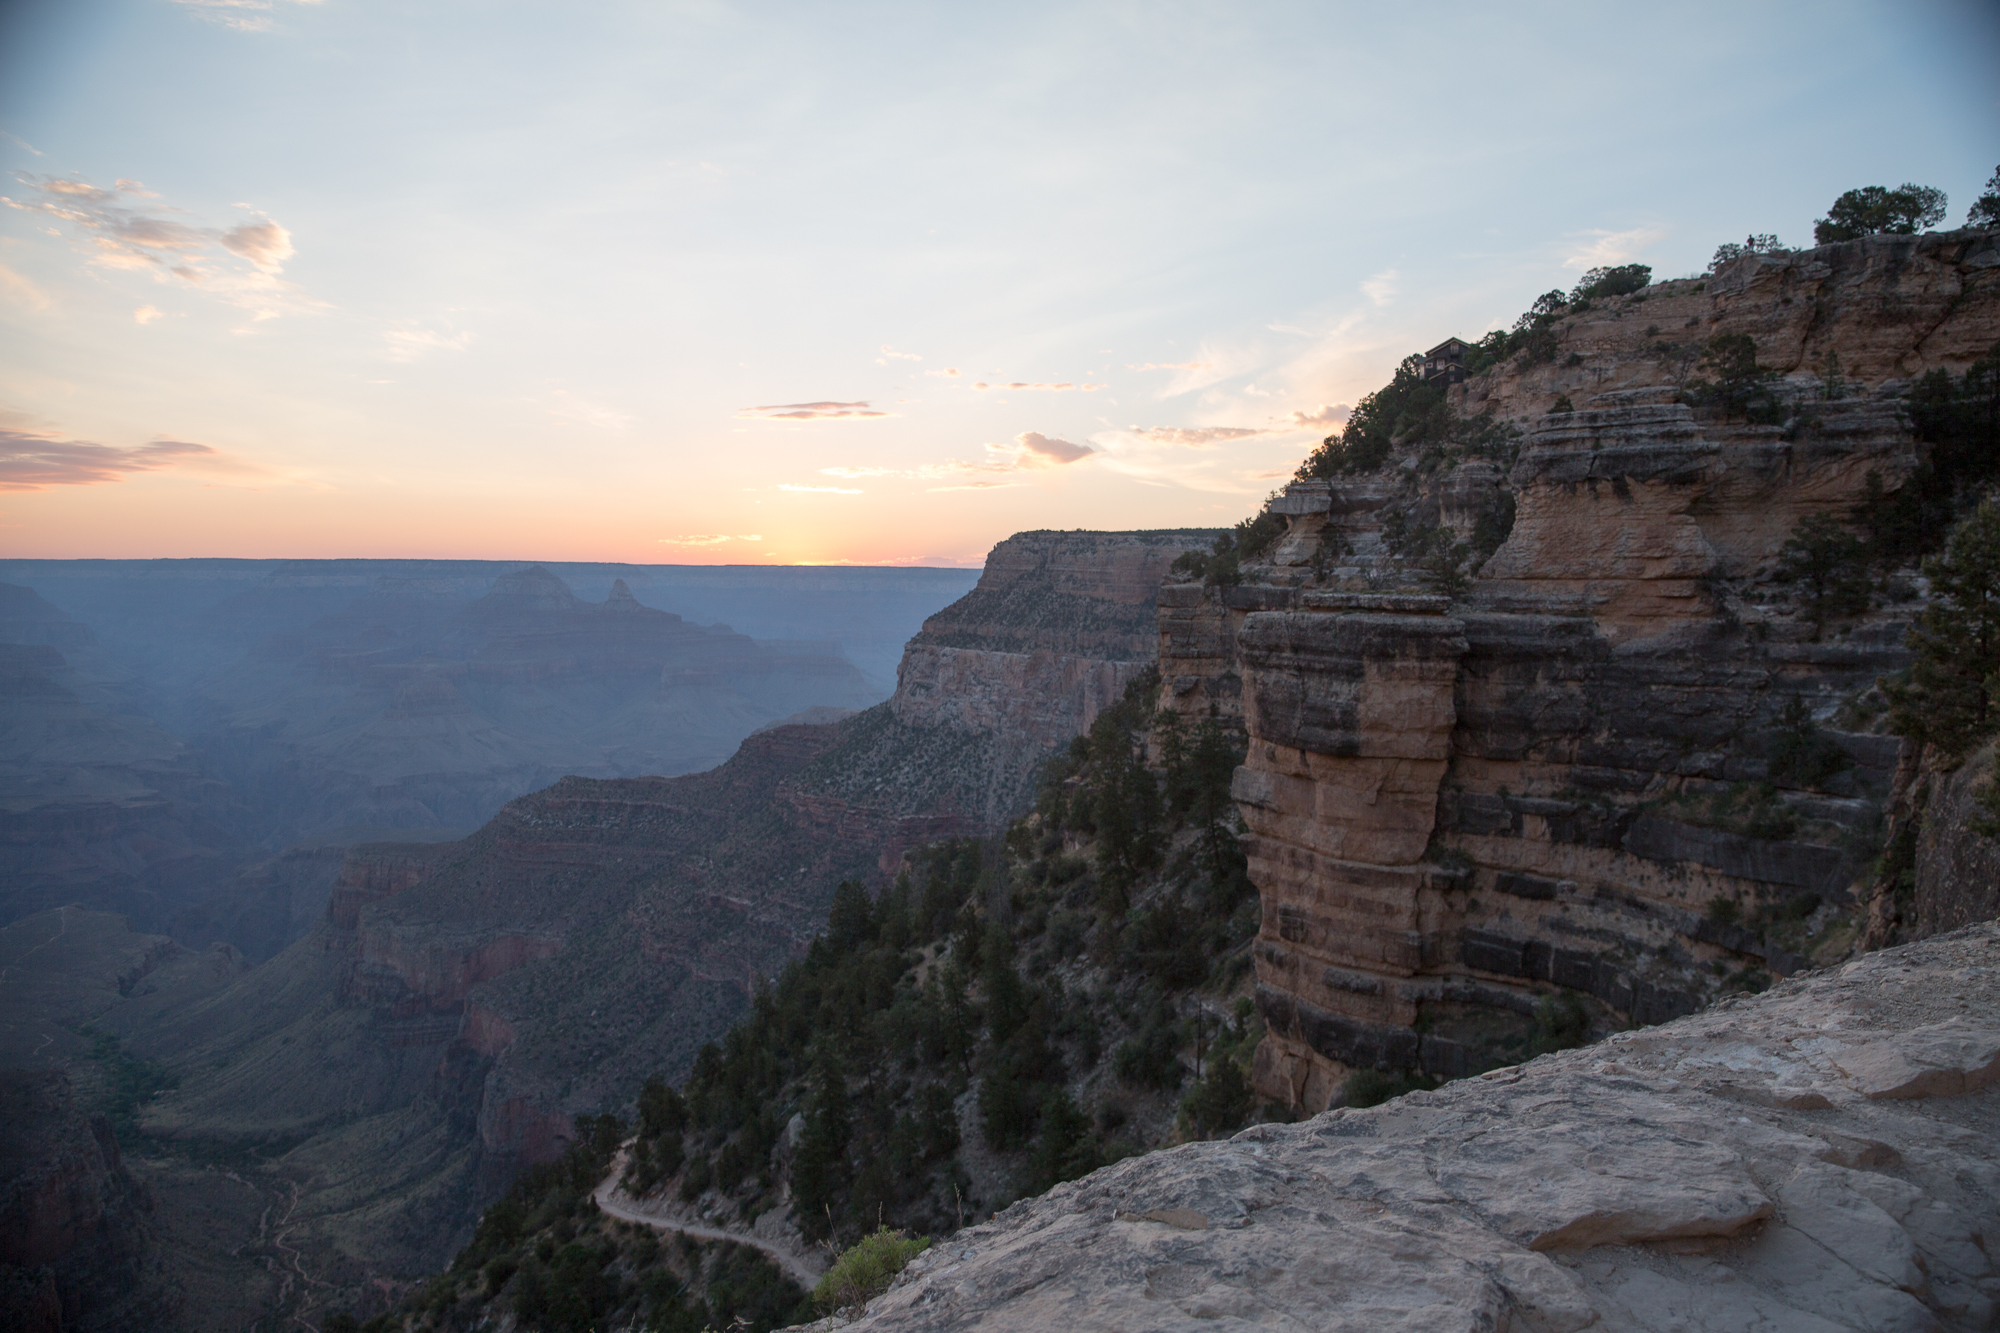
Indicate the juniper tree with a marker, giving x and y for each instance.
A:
(1947, 698)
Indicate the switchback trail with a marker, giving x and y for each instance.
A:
(801, 1265)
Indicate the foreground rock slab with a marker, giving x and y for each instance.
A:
(1824, 1156)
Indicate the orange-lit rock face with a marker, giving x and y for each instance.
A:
(1456, 809)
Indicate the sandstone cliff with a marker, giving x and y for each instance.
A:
(1821, 1157)
(994, 684)
(1568, 774)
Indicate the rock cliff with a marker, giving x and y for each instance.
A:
(1568, 773)
(1819, 1157)
(996, 682)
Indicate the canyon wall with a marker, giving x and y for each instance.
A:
(995, 683)
(1565, 779)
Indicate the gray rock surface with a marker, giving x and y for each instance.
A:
(1824, 1156)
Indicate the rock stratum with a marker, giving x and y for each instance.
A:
(1566, 777)
(1058, 625)
(1820, 1157)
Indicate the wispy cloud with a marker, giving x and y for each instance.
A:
(820, 490)
(121, 232)
(565, 406)
(20, 143)
(1173, 365)
(891, 354)
(145, 314)
(1599, 249)
(1064, 387)
(819, 411)
(1030, 449)
(708, 539)
(34, 461)
(242, 15)
(20, 290)
(1381, 289)
(973, 486)
(1195, 437)
(409, 341)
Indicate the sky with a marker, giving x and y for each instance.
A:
(844, 283)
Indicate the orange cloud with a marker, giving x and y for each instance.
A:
(1174, 365)
(1325, 415)
(30, 461)
(820, 411)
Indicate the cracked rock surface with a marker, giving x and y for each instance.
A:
(1824, 1156)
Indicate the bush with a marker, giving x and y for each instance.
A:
(865, 1271)
(1758, 243)
(1947, 696)
(1873, 210)
(1372, 1087)
(1985, 211)
(1622, 280)
(1561, 1022)
(1221, 1102)
(1801, 756)
(1739, 385)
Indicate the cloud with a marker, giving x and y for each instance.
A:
(1173, 365)
(820, 411)
(1051, 451)
(265, 244)
(242, 15)
(33, 460)
(821, 490)
(949, 372)
(852, 472)
(973, 486)
(146, 314)
(407, 342)
(1321, 417)
(1195, 437)
(569, 408)
(1605, 248)
(1064, 387)
(895, 355)
(1381, 289)
(22, 291)
(708, 539)
(121, 234)
(19, 142)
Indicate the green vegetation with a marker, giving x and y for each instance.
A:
(1801, 755)
(545, 1255)
(1735, 385)
(1873, 210)
(129, 1083)
(1372, 1087)
(1620, 280)
(1957, 421)
(865, 1270)
(1222, 564)
(1758, 243)
(1828, 566)
(1408, 413)
(1948, 696)
(1985, 210)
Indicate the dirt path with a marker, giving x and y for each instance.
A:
(802, 1265)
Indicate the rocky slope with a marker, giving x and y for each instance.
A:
(994, 684)
(1579, 773)
(1820, 1157)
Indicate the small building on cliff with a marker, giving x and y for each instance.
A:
(1446, 361)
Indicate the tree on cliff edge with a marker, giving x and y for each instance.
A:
(1985, 210)
(1872, 210)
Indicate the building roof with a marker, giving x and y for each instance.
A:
(1448, 344)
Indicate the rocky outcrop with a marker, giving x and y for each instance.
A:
(1819, 1157)
(995, 683)
(78, 1246)
(1568, 775)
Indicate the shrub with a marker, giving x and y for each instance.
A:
(1985, 211)
(1947, 696)
(865, 1271)
(1372, 1087)
(1221, 1102)
(1739, 385)
(1758, 243)
(1873, 210)
(1561, 1022)
(1801, 755)
(1622, 280)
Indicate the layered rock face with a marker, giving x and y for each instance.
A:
(996, 682)
(1554, 780)
(1820, 1157)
